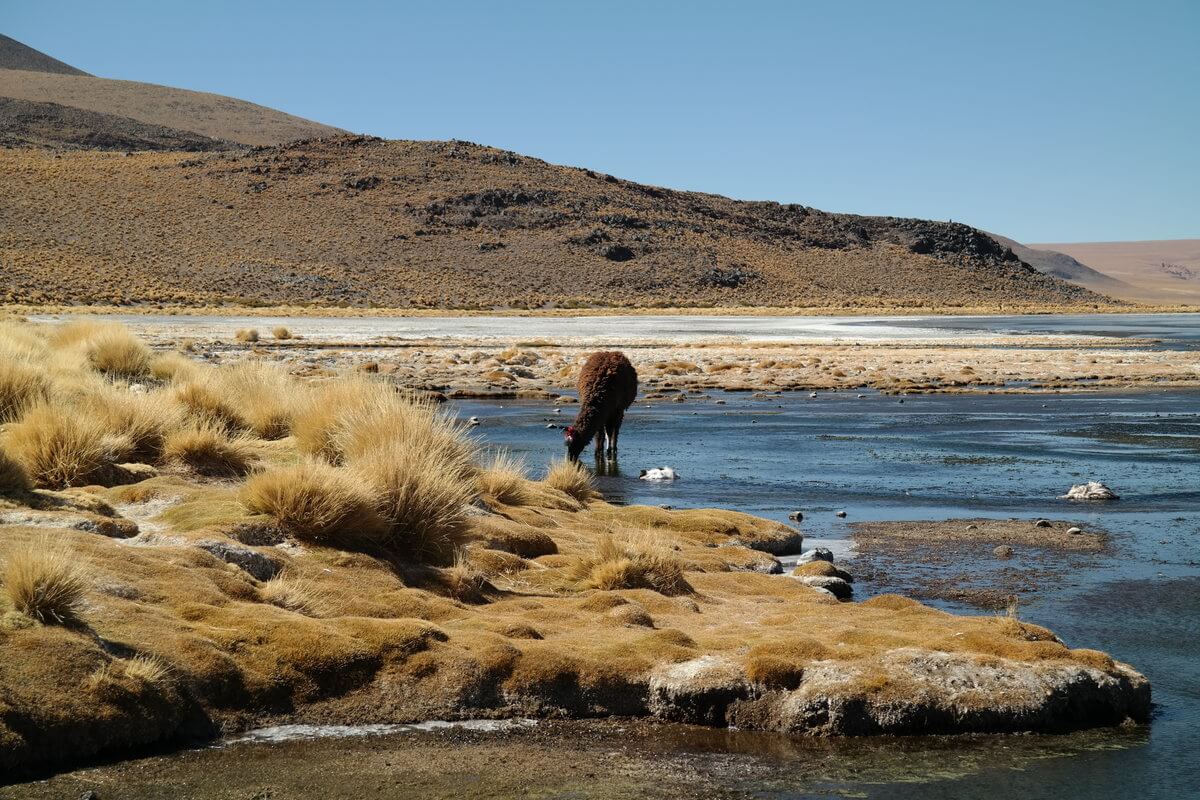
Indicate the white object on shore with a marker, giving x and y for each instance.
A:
(472, 422)
(659, 474)
(1092, 490)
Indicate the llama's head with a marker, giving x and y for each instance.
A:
(575, 442)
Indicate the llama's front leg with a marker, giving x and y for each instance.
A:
(600, 443)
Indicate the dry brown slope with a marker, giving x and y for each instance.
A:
(1163, 271)
(362, 221)
(211, 115)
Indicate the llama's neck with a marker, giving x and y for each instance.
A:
(586, 421)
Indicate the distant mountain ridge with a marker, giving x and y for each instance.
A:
(15, 55)
(33, 77)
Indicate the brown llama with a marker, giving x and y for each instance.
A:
(607, 386)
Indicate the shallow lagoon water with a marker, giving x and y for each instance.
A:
(934, 457)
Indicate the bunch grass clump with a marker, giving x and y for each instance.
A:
(423, 500)
(280, 332)
(140, 423)
(58, 449)
(573, 479)
(108, 347)
(43, 580)
(637, 561)
(13, 478)
(505, 482)
(22, 386)
(246, 335)
(209, 450)
(316, 502)
(298, 594)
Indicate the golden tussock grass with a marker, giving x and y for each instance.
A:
(147, 669)
(43, 580)
(280, 332)
(504, 480)
(423, 501)
(206, 404)
(209, 450)
(246, 335)
(58, 449)
(316, 501)
(139, 422)
(637, 561)
(171, 367)
(22, 386)
(109, 348)
(572, 478)
(299, 594)
(13, 478)
(265, 397)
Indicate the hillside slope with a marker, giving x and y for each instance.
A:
(211, 115)
(362, 222)
(1164, 271)
(23, 123)
(1063, 266)
(15, 55)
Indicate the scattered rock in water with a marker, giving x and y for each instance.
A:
(822, 569)
(659, 474)
(838, 587)
(256, 564)
(1073, 531)
(840, 514)
(812, 394)
(796, 516)
(472, 422)
(1092, 490)
(1003, 551)
(1042, 523)
(816, 554)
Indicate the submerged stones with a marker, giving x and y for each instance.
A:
(1092, 490)
(816, 554)
(659, 474)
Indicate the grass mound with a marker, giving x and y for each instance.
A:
(316, 501)
(638, 561)
(573, 479)
(505, 482)
(13, 478)
(43, 580)
(208, 450)
(59, 449)
(22, 386)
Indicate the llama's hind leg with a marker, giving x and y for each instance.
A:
(614, 432)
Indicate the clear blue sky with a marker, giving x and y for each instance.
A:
(1044, 121)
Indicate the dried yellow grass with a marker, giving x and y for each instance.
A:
(173, 367)
(636, 561)
(504, 481)
(13, 478)
(58, 448)
(298, 594)
(263, 397)
(42, 579)
(280, 332)
(316, 501)
(572, 478)
(423, 500)
(147, 669)
(209, 450)
(109, 347)
(22, 386)
(140, 421)
(203, 400)
(246, 335)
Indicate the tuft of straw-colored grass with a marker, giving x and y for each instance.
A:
(58, 448)
(298, 594)
(280, 332)
(151, 670)
(109, 347)
(317, 502)
(14, 480)
(43, 580)
(638, 561)
(423, 500)
(209, 450)
(504, 481)
(264, 395)
(173, 367)
(22, 386)
(203, 400)
(247, 335)
(572, 478)
(141, 421)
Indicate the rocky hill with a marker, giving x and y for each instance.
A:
(15, 55)
(366, 222)
(50, 125)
